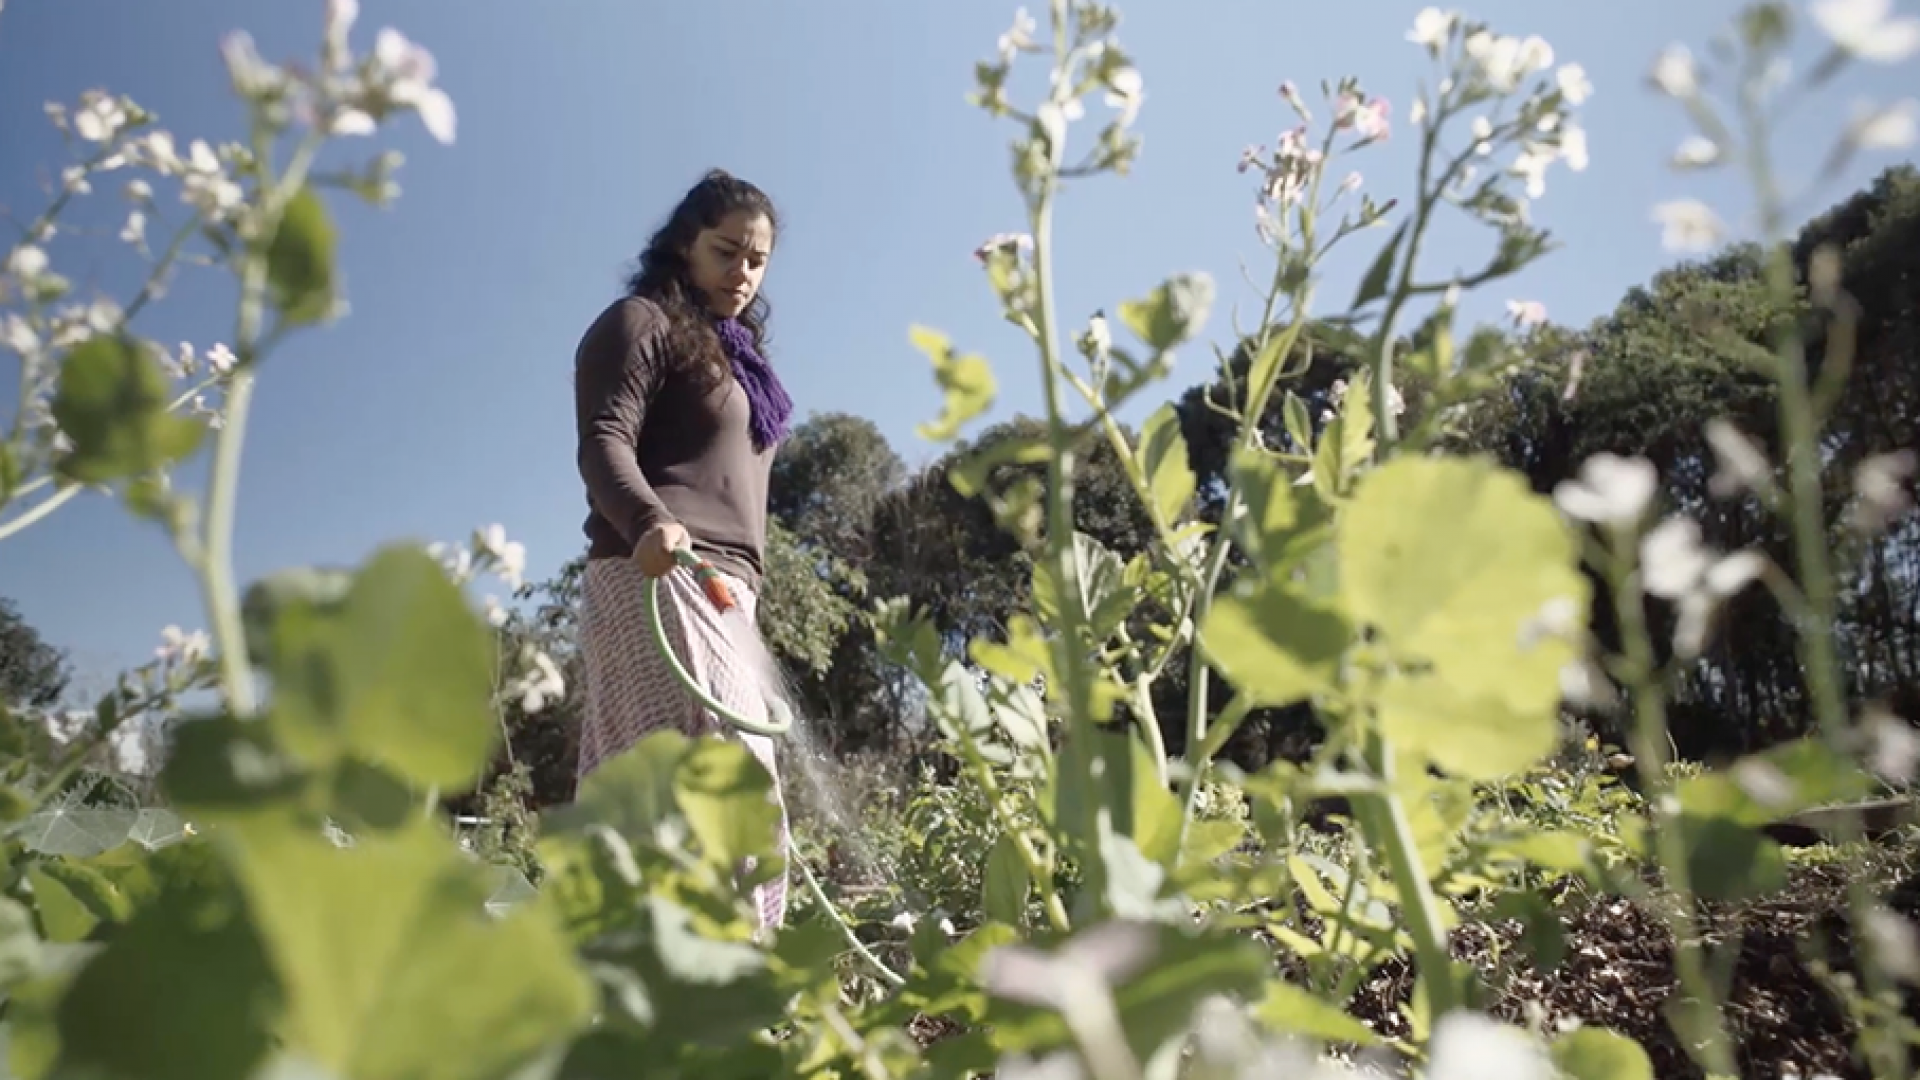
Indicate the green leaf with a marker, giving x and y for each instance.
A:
(391, 964)
(76, 833)
(399, 675)
(1729, 861)
(218, 766)
(1274, 645)
(1004, 885)
(966, 381)
(74, 898)
(1283, 524)
(154, 829)
(1551, 850)
(1542, 934)
(694, 987)
(1591, 1053)
(1452, 561)
(1163, 459)
(300, 261)
(1299, 423)
(182, 992)
(727, 797)
(112, 404)
(1172, 313)
(20, 948)
(1291, 1010)
(1374, 285)
(970, 474)
(631, 793)
(1102, 600)
(370, 796)
(12, 473)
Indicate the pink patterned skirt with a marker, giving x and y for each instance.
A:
(631, 692)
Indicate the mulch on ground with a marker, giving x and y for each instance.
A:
(1617, 973)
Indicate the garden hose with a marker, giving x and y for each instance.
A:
(779, 718)
(779, 721)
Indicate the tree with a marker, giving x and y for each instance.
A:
(33, 674)
(829, 478)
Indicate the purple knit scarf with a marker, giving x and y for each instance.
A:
(771, 406)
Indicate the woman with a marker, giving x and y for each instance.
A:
(679, 415)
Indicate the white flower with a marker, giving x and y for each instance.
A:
(1673, 561)
(1015, 244)
(1291, 95)
(1696, 152)
(135, 230)
(1675, 565)
(1574, 84)
(207, 185)
(1019, 38)
(1583, 683)
(1610, 490)
(1895, 944)
(1482, 132)
(1889, 127)
(457, 562)
(1469, 1046)
(351, 122)
(1881, 483)
(139, 191)
(27, 261)
(1431, 28)
(1417, 113)
(1687, 225)
(1868, 29)
(496, 615)
(1674, 72)
(1535, 55)
(1573, 147)
(1125, 92)
(1103, 955)
(17, 334)
(1531, 166)
(1743, 465)
(1499, 60)
(341, 15)
(1893, 747)
(409, 71)
(541, 683)
(1557, 618)
(1526, 312)
(100, 118)
(178, 646)
(160, 153)
(509, 558)
(1763, 782)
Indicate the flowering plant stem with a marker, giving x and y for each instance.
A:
(1060, 552)
(212, 556)
(1800, 421)
(1710, 1047)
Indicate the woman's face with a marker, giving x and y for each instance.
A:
(728, 260)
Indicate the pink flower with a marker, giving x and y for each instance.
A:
(1367, 119)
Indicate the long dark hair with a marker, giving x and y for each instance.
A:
(664, 277)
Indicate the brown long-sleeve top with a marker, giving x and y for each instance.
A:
(655, 448)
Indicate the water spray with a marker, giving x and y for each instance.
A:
(778, 723)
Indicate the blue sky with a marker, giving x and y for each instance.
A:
(443, 402)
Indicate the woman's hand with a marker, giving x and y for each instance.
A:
(654, 553)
